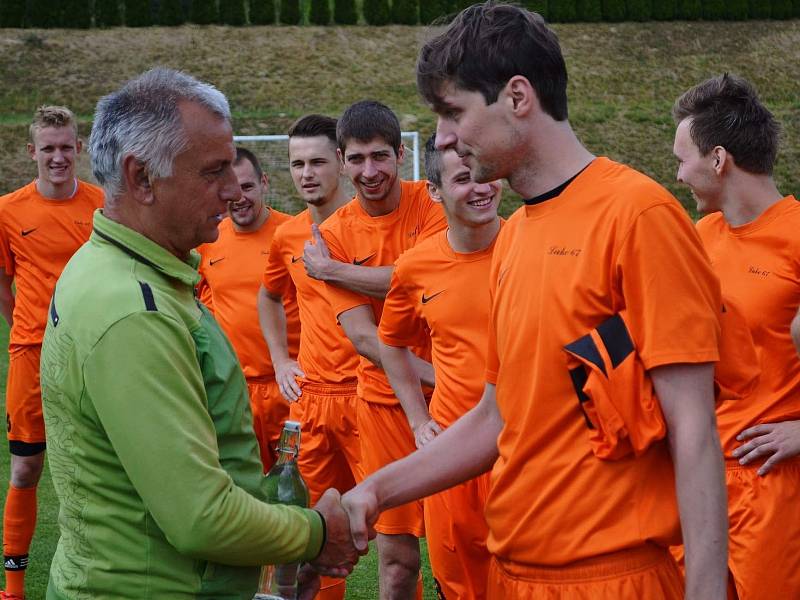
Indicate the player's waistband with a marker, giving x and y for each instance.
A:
(329, 389)
(604, 565)
(732, 464)
(261, 380)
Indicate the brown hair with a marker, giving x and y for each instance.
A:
(313, 126)
(366, 120)
(243, 154)
(725, 111)
(488, 44)
(52, 116)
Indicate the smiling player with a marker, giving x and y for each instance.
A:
(41, 227)
(231, 268)
(430, 285)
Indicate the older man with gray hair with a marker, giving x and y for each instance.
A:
(153, 455)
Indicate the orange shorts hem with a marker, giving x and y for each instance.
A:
(24, 418)
(385, 438)
(644, 572)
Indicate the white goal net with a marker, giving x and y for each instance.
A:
(273, 152)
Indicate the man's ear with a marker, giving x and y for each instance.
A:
(521, 96)
(78, 145)
(137, 179)
(401, 153)
(721, 158)
(31, 151)
(434, 193)
(340, 156)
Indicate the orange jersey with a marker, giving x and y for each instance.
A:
(759, 267)
(37, 238)
(231, 271)
(442, 294)
(353, 236)
(613, 240)
(326, 354)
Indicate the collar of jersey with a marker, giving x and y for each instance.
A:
(144, 250)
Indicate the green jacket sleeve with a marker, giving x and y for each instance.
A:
(145, 385)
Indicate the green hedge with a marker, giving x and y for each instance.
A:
(170, 13)
(203, 12)
(107, 13)
(345, 12)
(405, 12)
(137, 13)
(140, 13)
(262, 12)
(231, 12)
(376, 12)
(289, 13)
(320, 12)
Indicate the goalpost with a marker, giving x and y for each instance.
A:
(273, 152)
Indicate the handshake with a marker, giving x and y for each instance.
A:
(349, 523)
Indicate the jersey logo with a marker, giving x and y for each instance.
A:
(211, 263)
(363, 260)
(426, 299)
(28, 231)
(296, 258)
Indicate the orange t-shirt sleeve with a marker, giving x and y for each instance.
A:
(670, 292)
(276, 279)
(400, 324)
(341, 299)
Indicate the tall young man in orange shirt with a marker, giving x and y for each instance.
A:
(750, 234)
(320, 385)
(41, 227)
(427, 300)
(231, 270)
(598, 413)
(387, 217)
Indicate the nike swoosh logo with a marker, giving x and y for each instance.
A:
(426, 299)
(211, 263)
(296, 258)
(363, 260)
(28, 231)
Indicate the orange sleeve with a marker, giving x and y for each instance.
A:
(6, 256)
(341, 300)
(669, 290)
(276, 279)
(401, 324)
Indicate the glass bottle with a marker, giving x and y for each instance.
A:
(284, 485)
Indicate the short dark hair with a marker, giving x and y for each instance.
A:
(725, 111)
(243, 154)
(488, 44)
(314, 125)
(433, 162)
(366, 120)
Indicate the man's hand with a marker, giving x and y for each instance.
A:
(308, 583)
(316, 257)
(339, 555)
(286, 374)
(361, 505)
(425, 433)
(778, 441)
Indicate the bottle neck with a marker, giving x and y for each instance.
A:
(288, 447)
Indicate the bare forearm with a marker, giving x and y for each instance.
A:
(272, 319)
(702, 500)
(370, 281)
(465, 450)
(795, 328)
(424, 371)
(405, 383)
(686, 395)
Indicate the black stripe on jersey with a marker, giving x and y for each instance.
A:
(149, 300)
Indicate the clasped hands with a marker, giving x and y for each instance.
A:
(349, 522)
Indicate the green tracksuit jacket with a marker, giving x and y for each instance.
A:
(150, 436)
